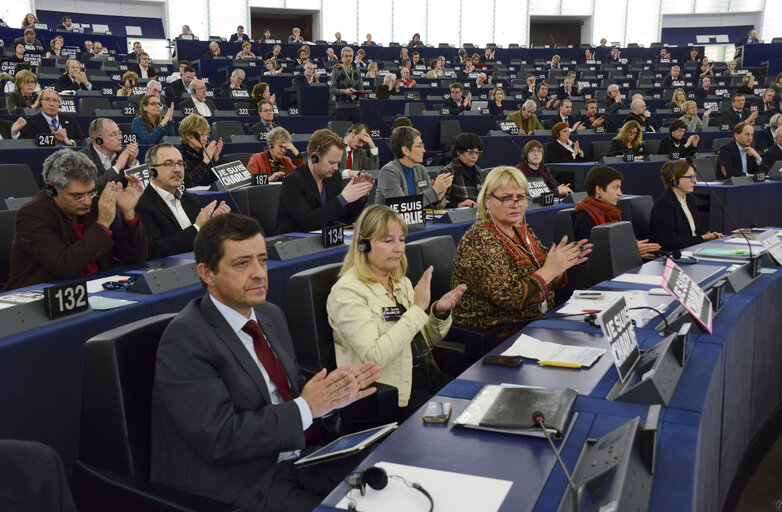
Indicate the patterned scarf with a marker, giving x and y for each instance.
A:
(600, 211)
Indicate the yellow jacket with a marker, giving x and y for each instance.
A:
(361, 333)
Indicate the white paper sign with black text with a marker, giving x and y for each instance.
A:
(688, 294)
(233, 175)
(411, 208)
(620, 332)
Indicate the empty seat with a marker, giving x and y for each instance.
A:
(339, 127)
(260, 202)
(448, 130)
(17, 180)
(225, 129)
(87, 106)
(414, 108)
(615, 251)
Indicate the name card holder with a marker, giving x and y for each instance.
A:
(165, 279)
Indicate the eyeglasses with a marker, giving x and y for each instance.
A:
(31, 81)
(154, 104)
(474, 152)
(81, 197)
(690, 177)
(421, 145)
(509, 202)
(171, 163)
(537, 150)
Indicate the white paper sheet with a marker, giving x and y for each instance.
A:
(103, 303)
(740, 240)
(532, 348)
(96, 285)
(650, 280)
(454, 492)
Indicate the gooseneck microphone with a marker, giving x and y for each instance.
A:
(197, 136)
(722, 205)
(538, 419)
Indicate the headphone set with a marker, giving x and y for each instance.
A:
(315, 158)
(364, 245)
(153, 172)
(49, 190)
(377, 478)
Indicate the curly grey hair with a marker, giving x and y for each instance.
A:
(278, 135)
(65, 166)
(402, 137)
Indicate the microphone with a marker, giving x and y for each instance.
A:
(538, 419)
(616, 153)
(197, 136)
(724, 208)
(677, 257)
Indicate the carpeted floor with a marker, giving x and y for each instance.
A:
(765, 486)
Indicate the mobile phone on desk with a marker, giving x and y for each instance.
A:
(437, 412)
(504, 361)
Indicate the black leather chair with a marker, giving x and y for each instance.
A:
(439, 251)
(17, 180)
(7, 223)
(641, 208)
(615, 251)
(260, 202)
(32, 478)
(112, 472)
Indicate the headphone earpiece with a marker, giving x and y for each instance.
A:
(49, 190)
(153, 172)
(675, 182)
(374, 477)
(315, 158)
(364, 246)
(99, 140)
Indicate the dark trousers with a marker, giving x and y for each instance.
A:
(352, 114)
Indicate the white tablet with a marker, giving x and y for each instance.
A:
(347, 445)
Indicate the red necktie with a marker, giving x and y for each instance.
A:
(350, 160)
(276, 372)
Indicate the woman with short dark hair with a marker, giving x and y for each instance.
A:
(533, 167)
(563, 150)
(674, 145)
(604, 188)
(467, 178)
(674, 222)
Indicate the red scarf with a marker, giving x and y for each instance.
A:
(600, 211)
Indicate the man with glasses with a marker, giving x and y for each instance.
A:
(405, 176)
(143, 69)
(154, 88)
(106, 152)
(266, 113)
(96, 52)
(183, 85)
(457, 104)
(66, 231)
(64, 127)
(198, 100)
(641, 115)
(171, 218)
(739, 158)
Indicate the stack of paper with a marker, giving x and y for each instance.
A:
(531, 348)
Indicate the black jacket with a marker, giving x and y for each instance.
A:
(647, 123)
(64, 83)
(235, 37)
(729, 162)
(733, 117)
(188, 103)
(5, 128)
(773, 155)
(558, 154)
(177, 88)
(619, 149)
(165, 237)
(37, 125)
(675, 148)
(104, 175)
(454, 108)
(668, 225)
(197, 172)
(300, 209)
(151, 73)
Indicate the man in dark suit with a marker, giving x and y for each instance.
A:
(9, 130)
(308, 76)
(239, 36)
(171, 218)
(737, 113)
(143, 69)
(74, 79)
(31, 44)
(768, 104)
(64, 231)
(266, 113)
(136, 53)
(181, 86)
(565, 115)
(312, 195)
(739, 158)
(704, 89)
(691, 57)
(642, 116)
(774, 153)
(67, 24)
(456, 104)
(106, 152)
(198, 101)
(355, 158)
(231, 409)
(64, 127)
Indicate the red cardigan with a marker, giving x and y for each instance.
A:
(259, 163)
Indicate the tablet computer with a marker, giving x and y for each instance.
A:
(346, 445)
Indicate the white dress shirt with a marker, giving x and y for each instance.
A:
(201, 107)
(175, 205)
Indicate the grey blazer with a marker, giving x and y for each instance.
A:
(391, 183)
(214, 430)
(363, 160)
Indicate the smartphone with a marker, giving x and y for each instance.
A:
(437, 412)
(505, 361)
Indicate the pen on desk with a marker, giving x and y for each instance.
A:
(559, 365)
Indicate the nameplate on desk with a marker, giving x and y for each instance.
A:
(239, 93)
(485, 111)
(242, 110)
(260, 179)
(40, 26)
(293, 111)
(411, 208)
(232, 176)
(759, 177)
(165, 279)
(773, 245)
(620, 332)
(688, 294)
(508, 127)
(66, 299)
(284, 248)
(129, 138)
(45, 140)
(33, 59)
(129, 110)
(741, 180)
(457, 216)
(141, 172)
(107, 91)
(188, 110)
(333, 236)
(22, 311)
(536, 187)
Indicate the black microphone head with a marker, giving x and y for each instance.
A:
(676, 254)
(538, 418)
(196, 135)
